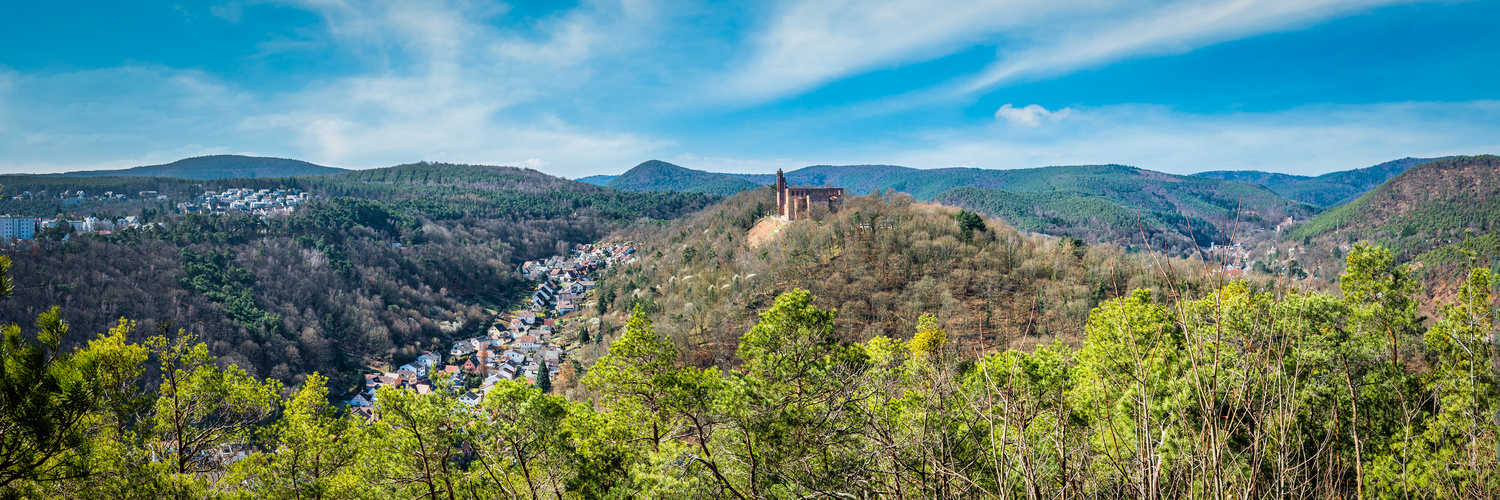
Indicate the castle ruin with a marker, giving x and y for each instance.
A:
(797, 202)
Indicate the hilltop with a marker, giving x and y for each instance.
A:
(882, 261)
(217, 167)
(1327, 190)
(657, 175)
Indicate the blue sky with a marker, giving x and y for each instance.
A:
(580, 88)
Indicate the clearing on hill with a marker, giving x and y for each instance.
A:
(765, 229)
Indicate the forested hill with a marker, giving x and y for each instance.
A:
(449, 191)
(656, 175)
(1100, 203)
(217, 167)
(1327, 190)
(1426, 208)
(882, 261)
(382, 261)
(1090, 218)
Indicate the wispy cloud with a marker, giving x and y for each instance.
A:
(442, 81)
(1172, 28)
(813, 42)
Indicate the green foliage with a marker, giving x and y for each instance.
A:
(7, 286)
(312, 451)
(214, 275)
(544, 379)
(929, 339)
(46, 398)
(202, 406)
(1232, 393)
(968, 222)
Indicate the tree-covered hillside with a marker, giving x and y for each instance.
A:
(1091, 218)
(658, 176)
(383, 261)
(1102, 201)
(1425, 207)
(1327, 190)
(217, 167)
(883, 261)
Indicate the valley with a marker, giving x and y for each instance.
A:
(562, 335)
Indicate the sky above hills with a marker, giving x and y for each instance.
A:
(580, 88)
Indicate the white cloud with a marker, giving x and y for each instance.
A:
(812, 42)
(1030, 116)
(1172, 28)
(442, 81)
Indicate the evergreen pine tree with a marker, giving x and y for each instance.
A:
(543, 379)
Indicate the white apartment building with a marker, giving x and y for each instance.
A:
(15, 227)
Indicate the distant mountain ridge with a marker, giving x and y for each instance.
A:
(597, 180)
(657, 175)
(855, 179)
(1095, 202)
(217, 167)
(1327, 190)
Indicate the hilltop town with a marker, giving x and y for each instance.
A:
(522, 343)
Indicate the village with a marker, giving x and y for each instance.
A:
(521, 344)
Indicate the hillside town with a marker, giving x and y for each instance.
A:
(264, 202)
(16, 229)
(524, 343)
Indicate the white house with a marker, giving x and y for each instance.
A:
(430, 359)
(419, 369)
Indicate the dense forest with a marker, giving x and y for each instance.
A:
(1089, 218)
(389, 261)
(1228, 392)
